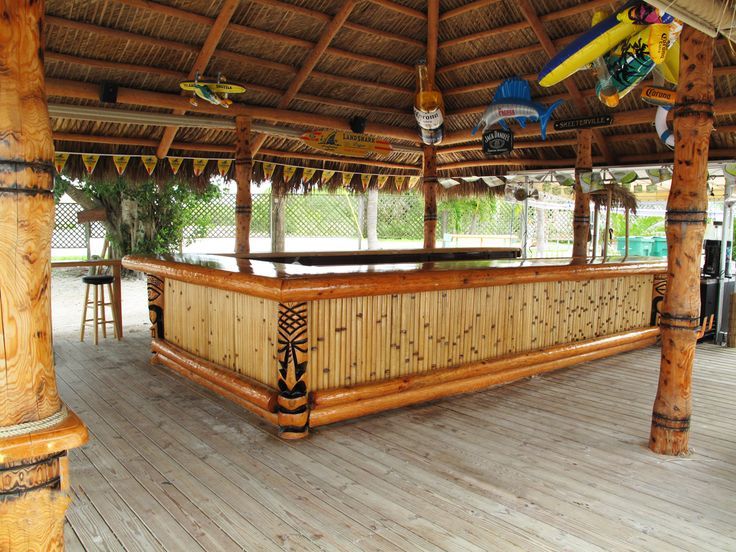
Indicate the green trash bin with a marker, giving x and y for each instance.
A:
(659, 247)
(621, 245)
(640, 246)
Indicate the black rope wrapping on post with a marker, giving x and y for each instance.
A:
(686, 216)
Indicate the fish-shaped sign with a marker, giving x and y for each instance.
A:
(513, 99)
(345, 143)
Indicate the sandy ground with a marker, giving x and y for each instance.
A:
(67, 295)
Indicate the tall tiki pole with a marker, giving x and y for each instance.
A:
(36, 429)
(243, 174)
(581, 217)
(429, 183)
(686, 215)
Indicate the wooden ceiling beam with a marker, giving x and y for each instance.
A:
(223, 148)
(580, 103)
(512, 27)
(162, 100)
(433, 20)
(400, 8)
(530, 144)
(236, 56)
(200, 64)
(508, 161)
(449, 14)
(311, 60)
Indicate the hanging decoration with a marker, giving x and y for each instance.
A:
(381, 181)
(429, 108)
(60, 161)
(175, 163)
(223, 166)
(198, 166)
(346, 178)
(591, 182)
(215, 92)
(664, 99)
(308, 174)
(268, 170)
(90, 162)
(565, 179)
(289, 173)
(345, 143)
(326, 177)
(365, 180)
(400, 182)
(413, 181)
(513, 99)
(149, 162)
(497, 142)
(121, 163)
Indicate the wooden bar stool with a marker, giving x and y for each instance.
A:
(99, 317)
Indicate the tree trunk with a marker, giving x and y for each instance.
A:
(372, 218)
(581, 218)
(686, 216)
(278, 219)
(243, 174)
(429, 178)
(36, 429)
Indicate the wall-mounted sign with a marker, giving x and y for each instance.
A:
(497, 142)
(345, 143)
(584, 122)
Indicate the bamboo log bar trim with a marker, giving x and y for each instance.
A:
(333, 397)
(375, 404)
(69, 433)
(315, 283)
(242, 386)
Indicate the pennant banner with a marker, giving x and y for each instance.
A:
(346, 178)
(289, 173)
(564, 179)
(90, 162)
(175, 163)
(121, 163)
(326, 177)
(365, 180)
(624, 177)
(198, 166)
(60, 161)
(223, 166)
(447, 183)
(149, 162)
(413, 181)
(400, 182)
(590, 182)
(381, 181)
(657, 176)
(268, 170)
(308, 174)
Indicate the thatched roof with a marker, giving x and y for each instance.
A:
(147, 47)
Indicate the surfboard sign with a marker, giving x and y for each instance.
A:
(584, 122)
(345, 143)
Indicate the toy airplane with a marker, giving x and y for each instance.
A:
(215, 92)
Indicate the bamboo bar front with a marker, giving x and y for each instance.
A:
(304, 346)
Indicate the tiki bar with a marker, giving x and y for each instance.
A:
(367, 275)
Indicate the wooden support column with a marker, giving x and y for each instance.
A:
(293, 360)
(243, 174)
(429, 179)
(278, 218)
(686, 216)
(581, 217)
(36, 428)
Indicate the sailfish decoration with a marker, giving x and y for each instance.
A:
(514, 99)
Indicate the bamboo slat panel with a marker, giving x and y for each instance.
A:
(361, 339)
(232, 329)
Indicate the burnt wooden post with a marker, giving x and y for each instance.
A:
(293, 361)
(686, 215)
(429, 180)
(581, 217)
(243, 175)
(36, 428)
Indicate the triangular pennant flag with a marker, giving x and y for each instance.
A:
(268, 169)
(90, 162)
(60, 161)
(175, 163)
(198, 166)
(308, 174)
(400, 182)
(223, 166)
(365, 180)
(447, 182)
(121, 163)
(564, 179)
(413, 181)
(289, 173)
(381, 180)
(346, 178)
(149, 161)
(326, 176)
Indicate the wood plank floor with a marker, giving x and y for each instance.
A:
(557, 462)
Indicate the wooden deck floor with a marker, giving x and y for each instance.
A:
(554, 463)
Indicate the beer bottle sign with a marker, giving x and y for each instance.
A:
(428, 108)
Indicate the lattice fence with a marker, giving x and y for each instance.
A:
(67, 233)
